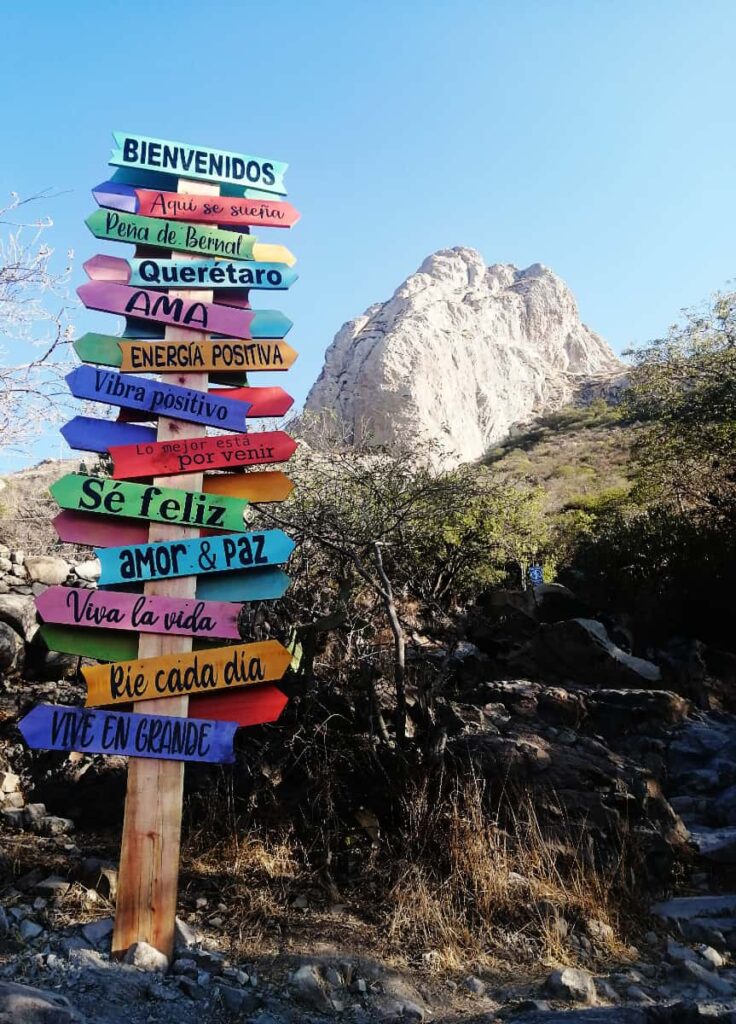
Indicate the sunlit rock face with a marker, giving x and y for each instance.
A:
(457, 356)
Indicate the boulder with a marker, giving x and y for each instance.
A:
(146, 957)
(19, 611)
(12, 649)
(21, 1004)
(88, 571)
(308, 987)
(47, 569)
(581, 651)
(572, 984)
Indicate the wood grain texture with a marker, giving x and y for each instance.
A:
(149, 855)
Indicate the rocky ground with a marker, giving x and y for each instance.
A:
(621, 739)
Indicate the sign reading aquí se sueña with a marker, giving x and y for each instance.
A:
(56, 727)
(198, 162)
(174, 675)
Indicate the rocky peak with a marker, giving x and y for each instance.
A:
(458, 355)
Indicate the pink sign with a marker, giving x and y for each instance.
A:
(144, 304)
(147, 614)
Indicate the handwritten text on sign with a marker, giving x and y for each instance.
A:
(174, 356)
(162, 458)
(208, 209)
(56, 727)
(217, 274)
(188, 161)
(191, 557)
(161, 399)
(156, 504)
(194, 672)
(146, 613)
(198, 238)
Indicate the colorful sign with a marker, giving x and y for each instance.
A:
(56, 727)
(208, 209)
(226, 356)
(89, 643)
(262, 402)
(219, 275)
(163, 458)
(140, 178)
(256, 705)
(82, 493)
(163, 560)
(153, 396)
(145, 613)
(197, 238)
(198, 162)
(175, 675)
(90, 434)
(247, 585)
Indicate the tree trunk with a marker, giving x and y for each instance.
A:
(387, 596)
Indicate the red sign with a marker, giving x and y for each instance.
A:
(169, 458)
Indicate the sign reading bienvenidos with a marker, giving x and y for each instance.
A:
(198, 162)
(165, 198)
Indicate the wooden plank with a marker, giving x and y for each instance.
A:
(167, 676)
(151, 842)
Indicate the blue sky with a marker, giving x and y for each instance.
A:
(596, 137)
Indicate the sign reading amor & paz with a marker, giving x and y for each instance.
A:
(198, 162)
(146, 613)
(198, 238)
(158, 398)
(225, 356)
(114, 195)
(145, 501)
(163, 458)
(165, 559)
(56, 727)
(143, 304)
(212, 274)
(195, 672)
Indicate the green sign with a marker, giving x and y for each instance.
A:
(145, 501)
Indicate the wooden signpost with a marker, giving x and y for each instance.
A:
(226, 355)
(176, 534)
(114, 195)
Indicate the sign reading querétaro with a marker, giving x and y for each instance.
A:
(209, 209)
(199, 238)
(72, 606)
(194, 672)
(140, 501)
(171, 356)
(187, 161)
(56, 727)
(162, 458)
(190, 557)
(152, 396)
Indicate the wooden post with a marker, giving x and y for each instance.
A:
(149, 855)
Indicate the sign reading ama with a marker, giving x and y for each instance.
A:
(198, 162)
(174, 675)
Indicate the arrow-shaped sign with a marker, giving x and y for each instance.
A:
(226, 356)
(82, 493)
(248, 585)
(122, 389)
(174, 675)
(220, 275)
(146, 305)
(263, 402)
(198, 238)
(164, 560)
(164, 458)
(145, 613)
(256, 705)
(140, 178)
(114, 195)
(90, 434)
(56, 727)
(198, 162)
